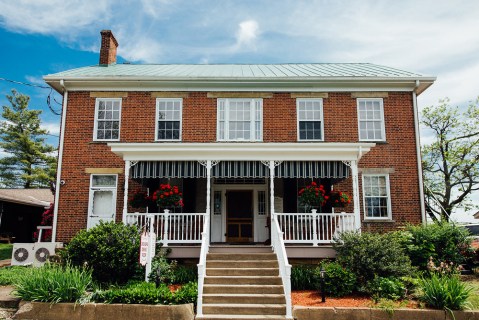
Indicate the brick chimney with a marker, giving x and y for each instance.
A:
(108, 48)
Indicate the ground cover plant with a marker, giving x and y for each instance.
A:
(5, 251)
(9, 275)
(110, 249)
(444, 292)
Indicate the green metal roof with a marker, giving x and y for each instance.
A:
(236, 71)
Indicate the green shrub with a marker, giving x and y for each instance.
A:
(303, 278)
(444, 292)
(6, 251)
(53, 283)
(147, 293)
(444, 242)
(9, 275)
(338, 281)
(369, 255)
(110, 249)
(185, 274)
(186, 294)
(386, 288)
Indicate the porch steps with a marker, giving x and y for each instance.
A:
(242, 285)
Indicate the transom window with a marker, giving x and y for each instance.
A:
(240, 120)
(371, 120)
(168, 119)
(377, 203)
(310, 119)
(107, 119)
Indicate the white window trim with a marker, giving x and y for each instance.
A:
(226, 119)
(298, 120)
(388, 190)
(95, 126)
(103, 188)
(157, 113)
(383, 123)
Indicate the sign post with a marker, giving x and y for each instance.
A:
(147, 247)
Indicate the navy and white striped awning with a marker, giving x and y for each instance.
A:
(240, 169)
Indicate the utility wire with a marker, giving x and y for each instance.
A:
(49, 97)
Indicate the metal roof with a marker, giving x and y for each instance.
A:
(237, 71)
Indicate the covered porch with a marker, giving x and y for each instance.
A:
(236, 191)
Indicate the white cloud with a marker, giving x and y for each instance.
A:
(35, 80)
(247, 34)
(52, 127)
(141, 48)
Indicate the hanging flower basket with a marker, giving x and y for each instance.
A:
(339, 199)
(139, 199)
(168, 196)
(312, 196)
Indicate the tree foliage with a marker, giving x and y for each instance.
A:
(29, 161)
(450, 161)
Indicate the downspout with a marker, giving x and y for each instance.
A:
(418, 154)
(60, 157)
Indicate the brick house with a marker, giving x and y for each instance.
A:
(239, 141)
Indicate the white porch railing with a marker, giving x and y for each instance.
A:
(172, 227)
(284, 267)
(314, 228)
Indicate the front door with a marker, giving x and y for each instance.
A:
(239, 216)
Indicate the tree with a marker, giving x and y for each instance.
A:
(29, 162)
(450, 162)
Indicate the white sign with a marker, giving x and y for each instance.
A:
(144, 248)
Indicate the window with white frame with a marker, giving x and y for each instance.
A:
(240, 120)
(310, 119)
(377, 202)
(168, 119)
(371, 120)
(102, 202)
(107, 119)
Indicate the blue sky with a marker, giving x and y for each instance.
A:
(431, 37)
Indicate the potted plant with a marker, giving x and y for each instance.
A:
(138, 199)
(167, 197)
(339, 199)
(312, 196)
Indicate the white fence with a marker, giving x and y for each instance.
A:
(172, 227)
(314, 228)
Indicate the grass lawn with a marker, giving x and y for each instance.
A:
(5, 251)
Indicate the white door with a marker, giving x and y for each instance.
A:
(261, 216)
(217, 217)
(102, 206)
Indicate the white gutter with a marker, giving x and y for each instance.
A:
(418, 155)
(60, 157)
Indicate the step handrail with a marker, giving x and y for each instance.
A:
(284, 267)
(205, 245)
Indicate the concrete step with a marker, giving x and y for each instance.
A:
(235, 289)
(240, 317)
(240, 249)
(244, 298)
(241, 256)
(242, 272)
(244, 309)
(242, 264)
(243, 280)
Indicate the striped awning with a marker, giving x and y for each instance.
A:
(240, 169)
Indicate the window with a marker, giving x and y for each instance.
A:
(261, 203)
(371, 120)
(102, 204)
(377, 204)
(240, 120)
(168, 119)
(310, 119)
(107, 119)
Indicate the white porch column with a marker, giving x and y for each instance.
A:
(357, 211)
(271, 165)
(125, 195)
(208, 187)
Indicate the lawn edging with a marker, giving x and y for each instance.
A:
(344, 313)
(101, 311)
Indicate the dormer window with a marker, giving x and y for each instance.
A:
(240, 120)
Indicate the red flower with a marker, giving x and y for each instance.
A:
(313, 183)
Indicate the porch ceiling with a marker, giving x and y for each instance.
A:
(241, 151)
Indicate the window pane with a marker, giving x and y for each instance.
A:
(375, 196)
(104, 181)
(310, 130)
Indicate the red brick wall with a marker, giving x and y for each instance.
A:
(199, 125)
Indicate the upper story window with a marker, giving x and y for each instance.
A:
(107, 119)
(377, 202)
(371, 120)
(310, 119)
(240, 120)
(168, 119)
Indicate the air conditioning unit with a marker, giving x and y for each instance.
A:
(43, 250)
(23, 254)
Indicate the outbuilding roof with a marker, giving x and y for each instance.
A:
(31, 197)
